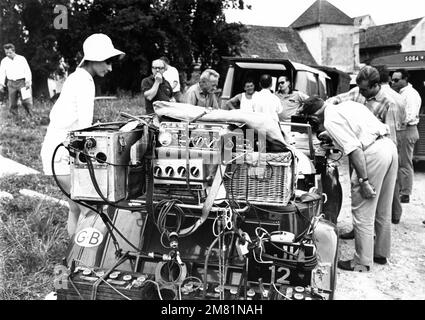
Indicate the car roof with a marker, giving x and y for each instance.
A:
(272, 64)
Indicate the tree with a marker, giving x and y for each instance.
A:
(183, 30)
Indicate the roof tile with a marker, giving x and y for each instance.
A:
(386, 35)
(264, 43)
(321, 12)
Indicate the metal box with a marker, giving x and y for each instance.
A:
(109, 150)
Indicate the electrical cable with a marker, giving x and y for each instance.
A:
(283, 295)
(104, 217)
(99, 192)
(157, 286)
(207, 256)
(187, 278)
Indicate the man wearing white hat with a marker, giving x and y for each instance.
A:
(74, 110)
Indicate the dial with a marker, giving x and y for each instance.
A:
(165, 138)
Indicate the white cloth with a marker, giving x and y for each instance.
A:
(414, 102)
(172, 75)
(72, 111)
(247, 104)
(187, 112)
(266, 102)
(352, 125)
(15, 69)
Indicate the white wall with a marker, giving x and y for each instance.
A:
(340, 47)
(419, 33)
(313, 39)
(334, 46)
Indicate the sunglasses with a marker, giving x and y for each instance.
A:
(395, 80)
(158, 68)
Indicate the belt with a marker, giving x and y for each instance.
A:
(377, 138)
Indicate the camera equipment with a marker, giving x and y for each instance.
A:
(100, 156)
(257, 240)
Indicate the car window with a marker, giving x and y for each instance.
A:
(306, 82)
(322, 87)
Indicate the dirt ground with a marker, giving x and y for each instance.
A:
(403, 278)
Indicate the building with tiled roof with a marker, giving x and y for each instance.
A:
(392, 38)
(276, 43)
(321, 12)
(330, 35)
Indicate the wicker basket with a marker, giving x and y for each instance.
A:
(263, 179)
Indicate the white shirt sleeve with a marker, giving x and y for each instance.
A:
(414, 102)
(2, 73)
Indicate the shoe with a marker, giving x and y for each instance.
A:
(348, 266)
(404, 198)
(348, 235)
(380, 260)
(395, 221)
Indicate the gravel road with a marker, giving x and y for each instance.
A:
(403, 278)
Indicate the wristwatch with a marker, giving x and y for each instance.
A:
(361, 180)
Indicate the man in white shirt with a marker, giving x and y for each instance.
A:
(243, 101)
(265, 101)
(400, 84)
(172, 76)
(16, 70)
(361, 136)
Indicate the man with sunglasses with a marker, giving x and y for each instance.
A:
(290, 99)
(400, 84)
(155, 87)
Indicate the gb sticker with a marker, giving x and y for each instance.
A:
(88, 238)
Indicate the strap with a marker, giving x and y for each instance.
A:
(209, 202)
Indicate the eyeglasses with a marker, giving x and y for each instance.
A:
(158, 68)
(395, 80)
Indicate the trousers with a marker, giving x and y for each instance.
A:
(397, 209)
(406, 159)
(14, 88)
(373, 216)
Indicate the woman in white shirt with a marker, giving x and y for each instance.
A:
(74, 110)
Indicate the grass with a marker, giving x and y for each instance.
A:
(33, 237)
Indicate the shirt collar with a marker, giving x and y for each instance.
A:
(405, 88)
(379, 96)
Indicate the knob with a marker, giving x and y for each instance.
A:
(169, 171)
(157, 171)
(90, 143)
(181, 171)
(194, 171)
